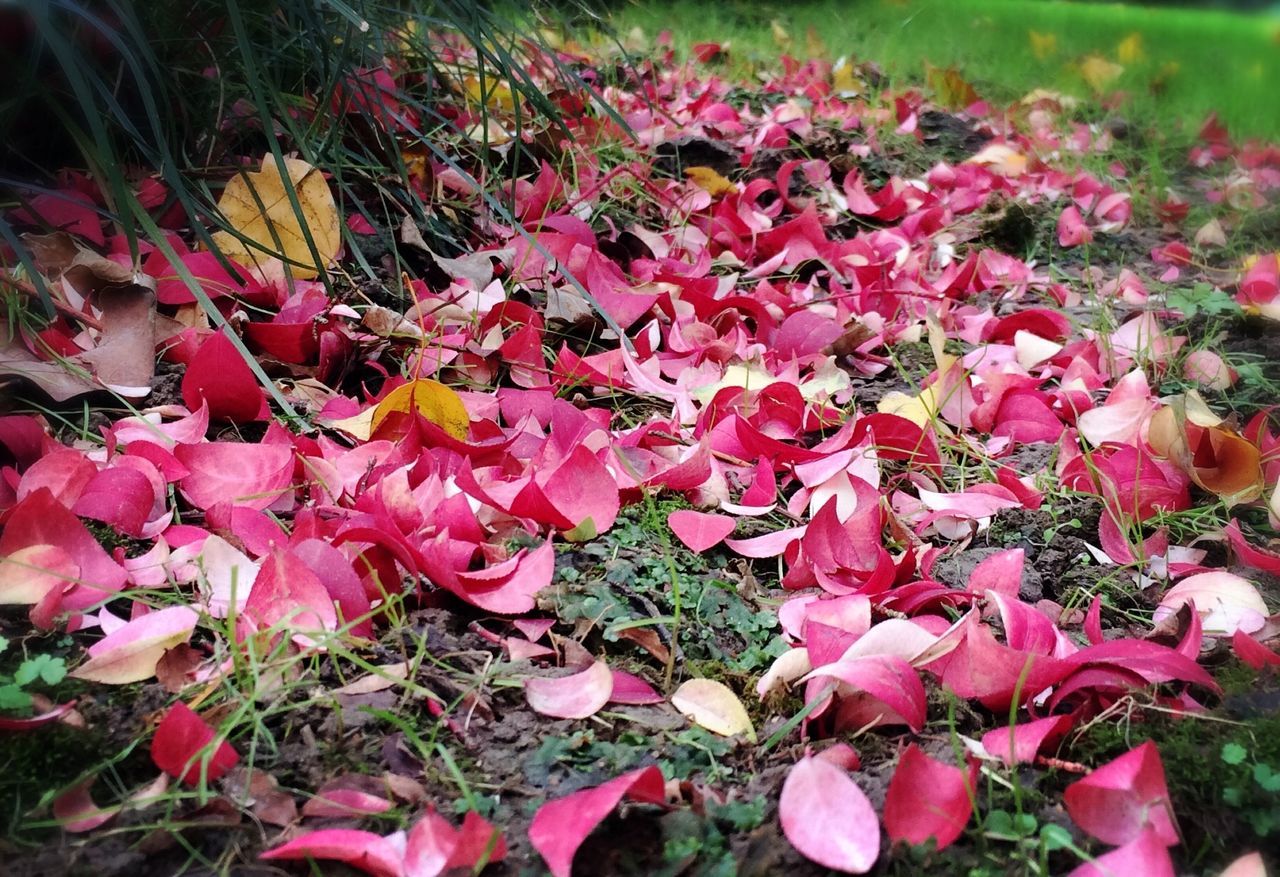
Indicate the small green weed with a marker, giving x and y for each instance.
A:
(1254, 789)
(34, 672)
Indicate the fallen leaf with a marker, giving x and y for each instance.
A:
(714, 706)
(257, 206)
(1124, 799)
(571, 697)
(1100, 73)
(131, 653)
(560, 826)
(431, 399)
(710, 181)
(949, 87)
(1225, 602)
(827, 817)
(700, 531)
(181, 747)
(928, 798)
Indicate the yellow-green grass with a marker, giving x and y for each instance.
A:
(1187, 62)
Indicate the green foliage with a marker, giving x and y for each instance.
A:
(35, 671)
(692, 752)
(619, 581)
(1253, 790)
(1201, 298)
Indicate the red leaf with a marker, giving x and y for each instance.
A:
(180, 743)
(1124, 798)
(560, 826)
(1252, 652)
(218, 376)
(828, 818)
(928, 799)
(889, 679)
(698, 530)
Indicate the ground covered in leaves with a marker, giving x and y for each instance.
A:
(774, 477)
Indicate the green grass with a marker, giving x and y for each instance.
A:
(1191, 62)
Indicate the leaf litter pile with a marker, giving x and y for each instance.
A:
(804, 478)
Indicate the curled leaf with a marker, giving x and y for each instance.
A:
(571, 697)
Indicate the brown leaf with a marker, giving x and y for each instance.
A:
(125, 359)
(60, 381)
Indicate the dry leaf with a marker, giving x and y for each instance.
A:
(714, 706)
(257, 204)
(1099, 72)
(709, 181)
(1216, 457)
(125, 358)
(949, 87)
(1001, 158)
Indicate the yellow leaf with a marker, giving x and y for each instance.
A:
(1129, 51)
(813, 43)
(1001, 158)
(1099, 72)
(709, 181)
(1043, 45)
(949, 87)
(432, 399)
(257, 205)
(844, 80)
(714, 706)
(495, 94)
(780, 35)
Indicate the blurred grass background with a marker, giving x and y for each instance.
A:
(1179, 64)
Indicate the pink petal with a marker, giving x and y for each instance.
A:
(927, 799)
(571, 697)
(1248, 865)
(559, 827)
(180, 743)
(699, 530)
(76, 810)
(1252, 652)
(1072, 232)
(361, 849)
(1000, 572)
(1224, 601)
(1022, 743)
(828, 818)
(631, 689)
(1125, 798)
(1144, 856)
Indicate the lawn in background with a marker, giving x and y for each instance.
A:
(1178, 64)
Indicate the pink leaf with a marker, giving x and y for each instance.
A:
(571, 697)
(76, 810)
(361, 849)
(698, 530)
(1001, 572)
(181, 744)
(1248, 865)
(1144, 856)
(253, 475)
(828, 818)
(631, 689)
(889, 679)
(131, 653)
(927, 799)
(1124, 798)
(1225, 602)
(559, 827)
(1072, 232)
(1022, 743)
